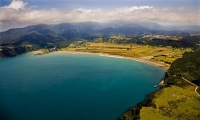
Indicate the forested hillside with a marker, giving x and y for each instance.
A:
(188, 67)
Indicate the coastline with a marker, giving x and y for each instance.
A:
(145, 59)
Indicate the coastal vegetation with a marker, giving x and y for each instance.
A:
(176, 99)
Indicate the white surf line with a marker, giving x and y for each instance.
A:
(135, 59)
(139, 59)
(193, 85)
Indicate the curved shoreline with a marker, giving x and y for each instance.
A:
(145, 59)
(140, 59)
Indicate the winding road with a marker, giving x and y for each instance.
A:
(193, 85)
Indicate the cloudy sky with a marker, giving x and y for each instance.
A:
(20, 13)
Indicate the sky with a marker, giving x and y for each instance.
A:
(20, 13)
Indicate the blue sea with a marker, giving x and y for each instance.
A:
(72, 86)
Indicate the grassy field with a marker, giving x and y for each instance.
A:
(149, 113)
(158, 53)
(173, 103)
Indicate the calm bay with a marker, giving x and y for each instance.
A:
(72, 86)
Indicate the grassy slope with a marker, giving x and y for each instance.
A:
(173, 103)
(149, 113)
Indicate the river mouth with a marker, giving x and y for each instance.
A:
(73, 86)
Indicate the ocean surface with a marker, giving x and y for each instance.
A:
(72, 86)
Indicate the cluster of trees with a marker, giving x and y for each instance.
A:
(185, 42)
(11, 50)
(188, 67)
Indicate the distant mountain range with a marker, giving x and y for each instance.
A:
(43, 33)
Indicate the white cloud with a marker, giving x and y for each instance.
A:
(16, 14)
(17, 4)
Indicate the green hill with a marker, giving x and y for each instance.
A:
(177, 99)
(188, 67)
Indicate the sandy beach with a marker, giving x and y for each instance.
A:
(145, 59)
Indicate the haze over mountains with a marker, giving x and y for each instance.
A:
(88, 31)
(21, 13)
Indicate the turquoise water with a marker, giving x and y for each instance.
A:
(72, 86)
